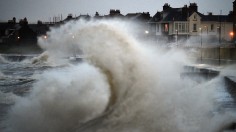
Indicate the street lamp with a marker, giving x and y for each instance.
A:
(18, 39)
(45, 37)
(146, 34)
(201, 42)
(206, 27)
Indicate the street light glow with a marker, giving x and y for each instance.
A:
(45, 37)
(146, 31)
(231, 35)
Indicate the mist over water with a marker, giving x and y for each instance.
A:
(3, 60)
(121, 85)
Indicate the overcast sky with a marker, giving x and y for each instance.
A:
(44, 9)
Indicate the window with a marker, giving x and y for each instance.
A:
(153, 28)
(181, 27)
(184, 27)
(176, 26)
(194, 27)
(166, 28)
(157, 27)
(187, 27)
(195, 17)
(212, 27)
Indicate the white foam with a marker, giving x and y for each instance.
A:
(147, 93)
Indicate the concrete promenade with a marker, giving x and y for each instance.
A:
(206, 73)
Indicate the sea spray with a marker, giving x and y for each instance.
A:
(3, 60)
(61, 100)
(139, 87)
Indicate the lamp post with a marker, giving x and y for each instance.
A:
(201, 42)
(219, 32)
(206, 27)
(220, 35)
(177, 37)
(146, 33)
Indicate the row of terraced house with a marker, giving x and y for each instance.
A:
(186, 22)
(171, 24)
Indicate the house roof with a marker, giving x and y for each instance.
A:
(5, 25)
(39, 28)
(171, 14)
(86, 17)
(139, 16)
(177, 14)
(156, 17)
(222, 18)
(132, 15)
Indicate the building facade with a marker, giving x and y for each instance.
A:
(174, 24)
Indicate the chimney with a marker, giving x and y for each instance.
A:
(112, 12)
(231, 16)
(185, 11)
(234, 6)
(96, 14)
(166, 6)
(210, 14)
(193, 7)
(117, 11)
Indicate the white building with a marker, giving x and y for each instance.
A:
(186, 22)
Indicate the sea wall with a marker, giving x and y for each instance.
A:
(214, 56)
(20, 48)
(216, 53)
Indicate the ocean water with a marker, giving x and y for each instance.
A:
(121, 84)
